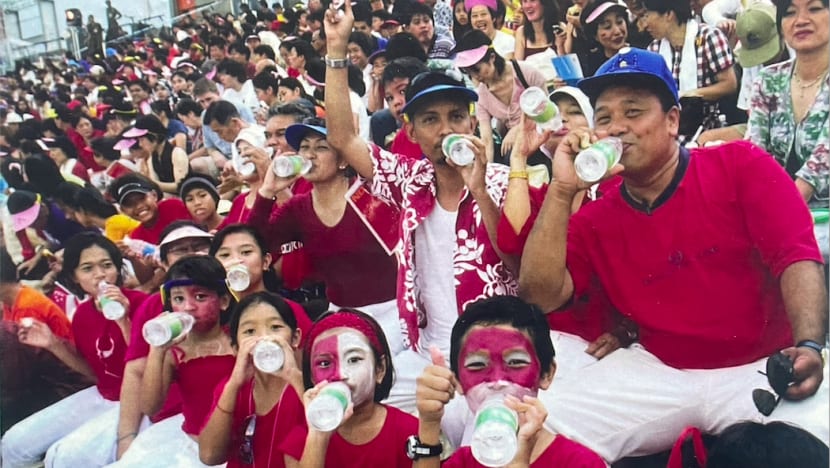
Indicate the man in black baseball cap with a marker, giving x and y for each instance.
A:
(710, 251)
(452, 206)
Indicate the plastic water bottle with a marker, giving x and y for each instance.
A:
(593, 162)
(243, 168)
(458, 149)
(268, 356)
(111, 309)
(325, 413)
(495, 441)
(536, 105)
(142, 248)
(167, 327)
(291, 165)
(238, 278)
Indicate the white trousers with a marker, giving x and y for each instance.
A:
(76, 431)
(162, 445)
(630, 403)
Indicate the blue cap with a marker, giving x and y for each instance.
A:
(630, 63)
(465, 92)
(294, 134)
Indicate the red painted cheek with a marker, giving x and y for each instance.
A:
(325, 349)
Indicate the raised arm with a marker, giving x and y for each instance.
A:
(341, 131)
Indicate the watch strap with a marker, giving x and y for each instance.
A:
(416, 449)
(336, 63)
(812, 345)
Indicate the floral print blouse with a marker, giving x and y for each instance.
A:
(803, 148)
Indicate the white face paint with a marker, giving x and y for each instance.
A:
(343, 354)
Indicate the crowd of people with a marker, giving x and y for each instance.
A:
(253, 239)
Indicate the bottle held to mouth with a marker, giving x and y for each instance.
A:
(238, 278)
(458, 149)
(268, 357)
(495, 440)
(325, 413)
(594, 161)
(291, 165)
(113, 310)
(167, 327)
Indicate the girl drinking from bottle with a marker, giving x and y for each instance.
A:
(501, 356)
(254, 410)
(347, 370)
(80, 430)
(197, 354)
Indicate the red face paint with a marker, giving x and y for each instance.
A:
(345, 356)
(492, 354)
(325, 360)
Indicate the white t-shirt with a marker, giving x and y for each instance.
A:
(504, 43)
(247, 96)
(435, 243)
(359, 108)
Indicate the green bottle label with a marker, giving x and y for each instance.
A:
(500, 414)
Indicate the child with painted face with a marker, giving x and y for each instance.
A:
(255, 410)
(346, 358)
(500, 352)
(197, 360)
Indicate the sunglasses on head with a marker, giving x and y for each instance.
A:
(246, 450)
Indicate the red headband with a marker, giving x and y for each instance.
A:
(348, 319)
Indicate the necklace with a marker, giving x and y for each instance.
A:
(802, 86)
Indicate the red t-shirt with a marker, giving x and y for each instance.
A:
(32, 303)
(271, 428)
(138, 349)
(387, 449)
(401, 144)
(589, 315)
(197, 379)
(700, 273)
(169, 210)
(347, 257)
(561, 453)
(100, 342)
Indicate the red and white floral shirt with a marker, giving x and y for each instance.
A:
(479, 272)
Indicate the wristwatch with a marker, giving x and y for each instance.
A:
(416, 450)
(815, 346)
(336, 63)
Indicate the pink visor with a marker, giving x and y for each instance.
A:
(468, 58)
(135, 133)
(602, 9)
(469, 4)
(126, 143)
(25, 218)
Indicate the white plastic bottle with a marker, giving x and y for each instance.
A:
(243, 167)
(111, 309)
(167, 327)
(495, 441)
(458, 149)
(535, 104)
(291, 165)
(238, 277)
(142, 248)
(325, 413)
(268, 356)
(593, 162)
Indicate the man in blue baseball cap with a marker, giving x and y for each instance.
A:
(711, 252)
(449, 211)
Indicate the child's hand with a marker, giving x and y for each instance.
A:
(435, 388)
(532, 415)
(243, 369)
